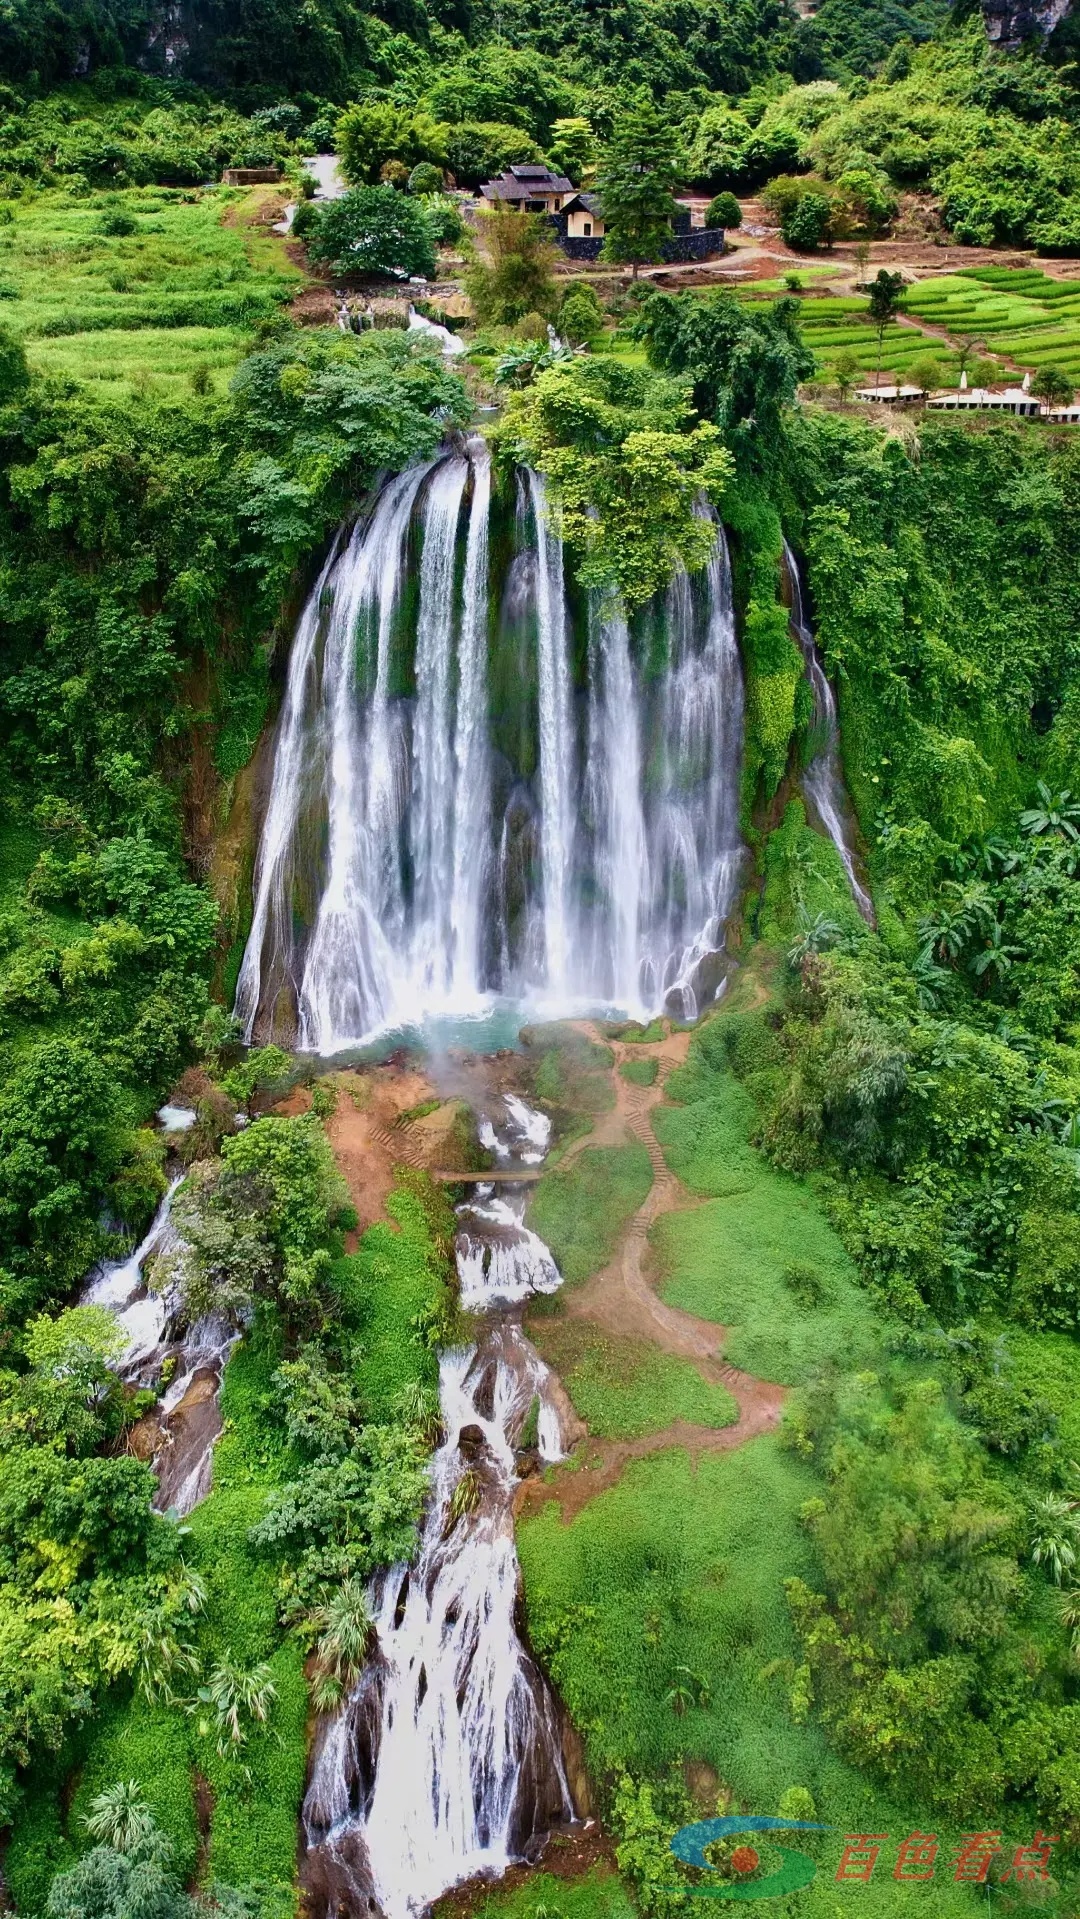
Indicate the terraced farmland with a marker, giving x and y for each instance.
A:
(835, 324)
(1019, 312)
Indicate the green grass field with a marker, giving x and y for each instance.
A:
(623, 1388)
(580, 1210)
(149, 286)
(674, 1579)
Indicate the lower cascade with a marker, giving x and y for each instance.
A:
(185, 1426)
(488, 785)
(446, 1760)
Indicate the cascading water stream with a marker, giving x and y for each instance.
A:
(823, 781)
(466, 806)
(188, 1418)
(446, 1759)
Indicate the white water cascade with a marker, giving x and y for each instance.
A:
(468, 805)
(556, 740)
(446, 1759)
(823, 781)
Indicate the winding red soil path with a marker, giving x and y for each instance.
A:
(621, 1300)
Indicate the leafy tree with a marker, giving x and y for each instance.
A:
(909, 1648)
(625, 466)
(808, 223)
(573, 148)
(477, 150)
(636, 180)
(846, 369)
(1053, 386)
(373, 230)
(885, 292)
(518, 275)
(723, 211)
(745, 368)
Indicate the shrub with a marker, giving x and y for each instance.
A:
(724, 211)
(394, 173)
(425, 178)
(581, 317)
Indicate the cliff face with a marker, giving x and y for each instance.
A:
(1009, 23)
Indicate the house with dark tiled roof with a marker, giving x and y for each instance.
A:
(580, 217)
(529, 187)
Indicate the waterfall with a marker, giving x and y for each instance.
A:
(349, 980)
(823, 781)
(467, 805)
(446, 1759)
(614, 806)
(556, 740)
(433, 770)
(472, 794)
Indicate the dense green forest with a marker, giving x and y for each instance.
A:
(871, 1616)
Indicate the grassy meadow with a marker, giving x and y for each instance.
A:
(149, 286)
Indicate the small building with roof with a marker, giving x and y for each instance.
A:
(964, 399)
(529, 187)
(890, 395)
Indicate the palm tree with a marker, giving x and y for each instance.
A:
(161, 1656)
(120, 1817)
(1055, 1534)
(345, 1627)
(814, 935)
(1055, 813)
(996, 956)
(234, 1695)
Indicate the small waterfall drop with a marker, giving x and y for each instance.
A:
(823, 781)
(446, 1759)
(471, 804)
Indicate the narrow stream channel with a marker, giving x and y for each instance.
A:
(446, 1760)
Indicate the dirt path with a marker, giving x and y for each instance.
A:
(622, 1301)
